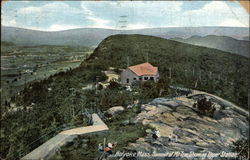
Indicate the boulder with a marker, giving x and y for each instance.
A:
(126, 122)
(115, 110)
(12, 105)
(218, 114)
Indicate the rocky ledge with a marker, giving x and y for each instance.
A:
(193, 132)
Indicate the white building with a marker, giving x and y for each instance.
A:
(140, 72)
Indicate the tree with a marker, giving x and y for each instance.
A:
(113, 85)
(205, 107)
(241, 147)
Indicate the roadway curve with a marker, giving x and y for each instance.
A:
(186, 99)
(221, 100)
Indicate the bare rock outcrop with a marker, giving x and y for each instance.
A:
(195, 133)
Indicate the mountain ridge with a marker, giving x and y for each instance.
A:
(93, 36)
(224, 43)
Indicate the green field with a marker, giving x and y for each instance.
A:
(22, 65)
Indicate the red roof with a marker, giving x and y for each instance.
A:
(144, 69)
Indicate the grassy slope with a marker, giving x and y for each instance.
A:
(54, 108)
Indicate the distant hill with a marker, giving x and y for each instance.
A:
(247, 38)
(224, 43)
(93, 36)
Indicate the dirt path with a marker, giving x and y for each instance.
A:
(48, 148)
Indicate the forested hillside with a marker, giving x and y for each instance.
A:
(45, 107)
(206, 69)
(224, 43)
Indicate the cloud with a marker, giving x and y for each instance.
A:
(49, 8)
(31, 10)
(137, 26)
(58, 27)
(25, 1)
(98, 22)
(57, 15)
(232, 23)
(107, 14)
(217, 13)
(11, 23)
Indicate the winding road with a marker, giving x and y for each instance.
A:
(186, 99)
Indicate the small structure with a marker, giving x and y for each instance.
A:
(140, 72)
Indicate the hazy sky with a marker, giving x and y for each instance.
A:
(61, 15)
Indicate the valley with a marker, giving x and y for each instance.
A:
(22, 65)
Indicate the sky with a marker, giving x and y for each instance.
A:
(63, 15)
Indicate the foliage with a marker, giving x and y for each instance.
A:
(150, 89)
(114, 85)
(241, 147)
(205, 107)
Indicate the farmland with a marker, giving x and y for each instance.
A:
(21, 65)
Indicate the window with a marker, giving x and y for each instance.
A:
(151, 78)
(127, 80)
(140, 78)
(135, 78)
(145, 78)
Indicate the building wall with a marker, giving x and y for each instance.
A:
(156, 77)
(128, 74)
(132, 77)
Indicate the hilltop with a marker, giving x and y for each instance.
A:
(191, 65)
(59, 100)
(240, 47)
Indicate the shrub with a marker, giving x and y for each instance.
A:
(205, 107)
(114, 85)
(241, 147)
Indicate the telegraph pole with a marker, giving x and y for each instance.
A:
(248, 99)
(147, 56)
(128, 61)
(200, 76)
(170, 72)
(122, 23)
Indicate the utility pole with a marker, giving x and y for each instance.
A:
(122, 23)
(195, 84)
(128, 61)
(147, 56)
(248, 99)
(73, 108)
(170, 72)
(200, 76)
